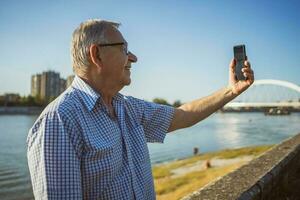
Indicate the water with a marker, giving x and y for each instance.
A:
(219, 131)
(229, 130)
(14, 173)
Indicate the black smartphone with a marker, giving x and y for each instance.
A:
(239, 52)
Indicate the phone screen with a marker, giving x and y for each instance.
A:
(239, 52)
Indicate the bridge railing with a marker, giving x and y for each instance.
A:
(275, 175)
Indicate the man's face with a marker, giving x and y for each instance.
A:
(116, 59)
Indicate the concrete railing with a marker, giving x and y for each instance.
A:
(275, 175)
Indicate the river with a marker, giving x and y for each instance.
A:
(219, 131)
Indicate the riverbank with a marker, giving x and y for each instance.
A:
(176, 179)
(20, 110)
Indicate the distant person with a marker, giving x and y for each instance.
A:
(91, 142)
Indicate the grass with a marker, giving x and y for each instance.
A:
(179, 187)
(168, 187)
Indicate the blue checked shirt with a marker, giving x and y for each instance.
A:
(77, 150)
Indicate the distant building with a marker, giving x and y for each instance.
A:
(48, 85)
(9, 99)
(62, 85)
(12, 97)
(70, 80)
(36, 85)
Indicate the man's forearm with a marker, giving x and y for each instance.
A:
(191, 113)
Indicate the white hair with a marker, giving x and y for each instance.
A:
(87, 33)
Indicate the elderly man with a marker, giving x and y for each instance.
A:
(91, 142)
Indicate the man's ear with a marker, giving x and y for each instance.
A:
(95, 55)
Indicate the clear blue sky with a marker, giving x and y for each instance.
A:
(184, 47)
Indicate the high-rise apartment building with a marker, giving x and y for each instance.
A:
(62, 85)
(36, 85)
(50, 85)
(47, 85)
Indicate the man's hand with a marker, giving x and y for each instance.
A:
(238, 86)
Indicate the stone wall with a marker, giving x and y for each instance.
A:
(275, 175)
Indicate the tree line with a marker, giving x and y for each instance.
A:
(37, 101)
(29, 100)
(176, 103)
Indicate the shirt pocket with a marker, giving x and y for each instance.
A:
(102, 161)
(104, 151)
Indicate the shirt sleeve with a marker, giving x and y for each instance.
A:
(155, 118)
(54, 158)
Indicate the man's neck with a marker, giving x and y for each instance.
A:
(106, 90)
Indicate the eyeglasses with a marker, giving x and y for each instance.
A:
(124, 44)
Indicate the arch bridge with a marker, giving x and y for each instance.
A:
(267, 93)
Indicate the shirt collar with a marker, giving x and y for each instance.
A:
(89, 95)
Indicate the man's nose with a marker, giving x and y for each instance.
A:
(132, 57)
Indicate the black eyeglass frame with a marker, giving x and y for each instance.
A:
(116, 44)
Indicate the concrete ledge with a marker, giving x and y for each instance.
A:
(274, 175)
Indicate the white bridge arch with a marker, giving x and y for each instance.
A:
(277, 82)
(286, 84)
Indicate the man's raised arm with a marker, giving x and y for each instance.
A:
(191, 113)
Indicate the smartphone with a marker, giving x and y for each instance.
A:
(239, 52)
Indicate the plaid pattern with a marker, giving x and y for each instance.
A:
(76, 150)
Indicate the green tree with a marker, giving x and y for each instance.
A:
(39, 101)
(161, 101)
(177, 103)
(31, 101)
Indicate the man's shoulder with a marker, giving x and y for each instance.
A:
(137, 106)
(133, 100)
(138, 103)
(62, 111)
(65, 105)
